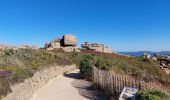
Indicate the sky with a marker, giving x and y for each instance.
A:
(123, 25)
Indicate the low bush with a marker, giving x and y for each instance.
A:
(86, 66)
(20, 75)
(4, 87)
(151, 95)
(104, 64)
(5, 74)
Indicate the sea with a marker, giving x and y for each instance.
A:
(141, 53)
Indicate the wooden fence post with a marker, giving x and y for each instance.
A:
(114, 83)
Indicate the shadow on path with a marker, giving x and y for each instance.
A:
(85, 87)
(73, 75)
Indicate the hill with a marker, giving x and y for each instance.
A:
(18, 65)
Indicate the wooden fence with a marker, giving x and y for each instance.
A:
(113, 84)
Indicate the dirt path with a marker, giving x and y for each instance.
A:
(68, 87)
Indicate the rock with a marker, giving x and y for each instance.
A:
(96, 47)
(71, 49)
(107, 50)
(69, 40)
(167, 70)
(165, 65)
(169, 65)
(86, 45)
(47, 45)
(154, 58)
(168, 57)
(147, 56)
(67, 43)
(55, 44)
(50, 49)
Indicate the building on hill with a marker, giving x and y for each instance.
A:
(96, 47)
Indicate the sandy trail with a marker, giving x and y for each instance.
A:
(68, 87)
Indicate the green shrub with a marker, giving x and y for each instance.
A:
(136, 73)
(159, 94)
(86, 67)
(20, 75)
(103, 63)
(151, 95)
(9, 52)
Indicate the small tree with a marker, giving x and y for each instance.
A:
(86, 66)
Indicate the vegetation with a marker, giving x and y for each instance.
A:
(86, 66)
(151, 95)
(18, 65)
(103, 64)
(137, 67)
(4, 87)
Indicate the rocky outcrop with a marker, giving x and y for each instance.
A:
(147, 56)
(165, 65)
(69, 40)
(25, 90)
(70, 49)
(54, 44)
(5, 47)
(96, 47)
(67, 43)
(167, 70)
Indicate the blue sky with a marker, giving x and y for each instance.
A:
(124, 25)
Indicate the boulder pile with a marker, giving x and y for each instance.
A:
(68, 43)
(96, 47)
(165, 65)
